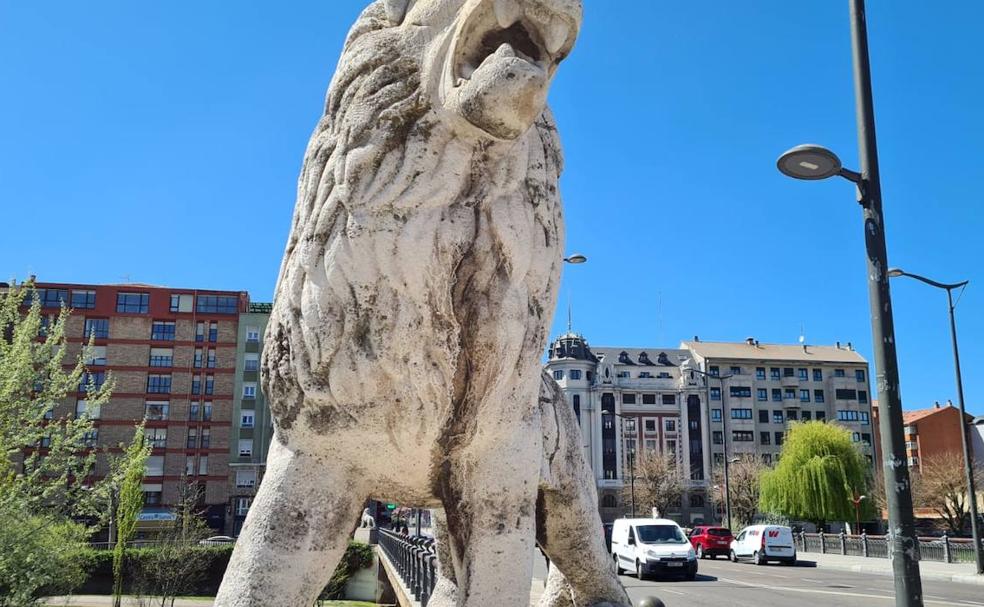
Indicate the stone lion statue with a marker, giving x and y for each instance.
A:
(402, 356)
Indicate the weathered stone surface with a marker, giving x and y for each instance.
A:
(402, 357)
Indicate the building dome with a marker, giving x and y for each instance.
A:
(571, 346)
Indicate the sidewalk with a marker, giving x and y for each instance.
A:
(94, 600)
(961, 573)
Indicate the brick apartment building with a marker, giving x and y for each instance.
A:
(928, 433)
(172, 353)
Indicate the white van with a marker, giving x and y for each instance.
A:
(650, 546)
(763, 543)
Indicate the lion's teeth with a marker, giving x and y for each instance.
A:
(507, 12)
(556, 34)
(461, 82)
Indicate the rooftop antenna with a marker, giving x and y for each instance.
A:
(570, 316)
(802, 338)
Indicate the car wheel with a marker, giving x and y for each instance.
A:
(640, 574)
(757, 558)
(734, 557)
(700, 551)
(618, 569)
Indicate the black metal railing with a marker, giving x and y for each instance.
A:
(415, 561)
(943, 549)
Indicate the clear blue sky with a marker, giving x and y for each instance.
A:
(161, 142)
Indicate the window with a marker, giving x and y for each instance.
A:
(84, 300)
(856, 437)
(575, 373)
(859, 375)
(90, 438)
(866, 438)
(715, 415)
(96, 328)
(154, 466)
(246, 418)
(252, 362)
(161, 357)
(718, 459)
(787, 372)
(774, 372)
(156, 409)
(669, 399)
(741, 414)
(210, 358)
(156, 437)
(630, 424)
(846, 394)
(82, 408)
(806, 416)
(218, 304)
(190, 465)
(207, 411)
(804, 374)
(252, 335)
(848, 416)
(839, 373)
(817, 375)
(209, 384)
(650, 444)
(669, 425)
(242, 505)
(741, 391)
(245, 478)
(249, 390)
(95, 355)
(50, 298)
(792, 415)
(818, 396)
(714, 371)
(742, 436)
(778, 436)
(715, 393)
(649, 399)
(95, 378)
(650, 425)
(628, 398)
(162, 330)
(608, 501)
(763, 416)
(789, 394)
(765, 438)
(206, 437)
(777, 395)
(245, 447)
(152, 495)
(804, 396)
(196, 384)
(132, 303)
(200, 331)
(820, 416)
(558, 374)
(759, 372)
(862, 396)
(181, 302)
(194, 411)
(192, 438)
(577, 407)
(718, 437)
(761, 395)
(645, 375)
(159, 384)
(777, 417)
(736, 370)
(664, 375)
(864, 418)
(213, 332)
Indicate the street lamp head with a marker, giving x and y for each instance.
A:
(895, 273)
(576, 259)
(809, 162)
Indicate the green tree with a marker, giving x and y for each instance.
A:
(46, 452)
(744, 481)
(819, 472)
(129, 500)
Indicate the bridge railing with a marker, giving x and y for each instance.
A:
(415, 561)
(943, 549)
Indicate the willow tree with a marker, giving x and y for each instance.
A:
(129, 490)
(818, 474)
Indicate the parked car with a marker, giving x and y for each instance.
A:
(764, 543)
(650, 546)
(217, 540)
(711, 541)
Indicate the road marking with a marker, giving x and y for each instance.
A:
(810, 579)
(662, 589)
(831, 592)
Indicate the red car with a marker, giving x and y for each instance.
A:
(711, 541)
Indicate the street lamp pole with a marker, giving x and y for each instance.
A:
(815, 162)
(857, 512)
(631, 457)
(724, 439)
(965, 442)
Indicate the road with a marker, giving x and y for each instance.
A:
(721, 583)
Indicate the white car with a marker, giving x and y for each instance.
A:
(764, 543)
(652, 545)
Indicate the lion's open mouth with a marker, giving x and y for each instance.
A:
(505, 29)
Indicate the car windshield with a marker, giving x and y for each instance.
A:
(660, 534)
(719, 531)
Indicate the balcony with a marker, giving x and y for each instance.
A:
(790, 382)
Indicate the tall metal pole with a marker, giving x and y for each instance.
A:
(898, 491)
(724, 430)
(968, 457)
(632, 481)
